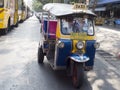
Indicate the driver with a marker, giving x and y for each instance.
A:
(77, 26)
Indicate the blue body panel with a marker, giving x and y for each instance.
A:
(45, 26)
(90, 52)
(63, 53)
(46, 46)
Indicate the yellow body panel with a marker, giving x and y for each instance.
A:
(8, 12)
(19, 15)
(16, 12)
(21, 11)
(58, 33)
(23, 15)
(81, 36)
(4, 17)
(99, 21)
(74, 49)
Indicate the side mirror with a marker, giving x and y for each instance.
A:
(97, 45)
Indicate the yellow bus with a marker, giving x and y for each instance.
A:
(8, 15)
(99, 21)
(22, 10)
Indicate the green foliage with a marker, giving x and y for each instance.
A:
(45, 1)
(75, 1)
(37, 5)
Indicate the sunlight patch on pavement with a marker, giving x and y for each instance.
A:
(97, 84)
(114, 83)
(109, 40)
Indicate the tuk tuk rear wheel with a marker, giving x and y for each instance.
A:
(78, 75)
(40, 55)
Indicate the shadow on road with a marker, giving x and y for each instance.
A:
(48, 79)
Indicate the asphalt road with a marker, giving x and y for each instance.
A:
(19, 69)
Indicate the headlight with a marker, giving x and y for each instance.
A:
(80, 45)
(97, 45)
(60, 44)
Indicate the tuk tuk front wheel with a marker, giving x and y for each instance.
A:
(69, 67)
(78, 75)
(40, 55)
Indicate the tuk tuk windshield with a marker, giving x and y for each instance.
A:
(77, 25)
(1, 3)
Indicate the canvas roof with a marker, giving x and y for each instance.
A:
(60, 9)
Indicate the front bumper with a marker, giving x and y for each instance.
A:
(79, 58)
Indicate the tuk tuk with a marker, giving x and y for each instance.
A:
(68, 39)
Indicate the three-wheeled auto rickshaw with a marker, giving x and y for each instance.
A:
(69, 39)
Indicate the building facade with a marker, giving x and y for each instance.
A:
(108, 9)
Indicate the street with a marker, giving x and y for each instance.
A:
(19, 69)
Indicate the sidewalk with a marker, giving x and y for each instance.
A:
(113, 27)
(109, 38)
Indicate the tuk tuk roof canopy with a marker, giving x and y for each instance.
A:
(60, 9)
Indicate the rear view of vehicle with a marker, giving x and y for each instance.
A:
(8, 15)
(99, 21)
(4, 16)
(22, 10)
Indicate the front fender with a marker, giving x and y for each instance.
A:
(79, 58)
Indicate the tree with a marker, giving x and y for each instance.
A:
(37, 5)
(45, 1)
(73, 1)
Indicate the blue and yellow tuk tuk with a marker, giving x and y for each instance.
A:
(69, 39)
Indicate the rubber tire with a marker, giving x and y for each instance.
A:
(5, 31)
(78, 75)
(69, 67)
(16, 25)
(40, 55)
